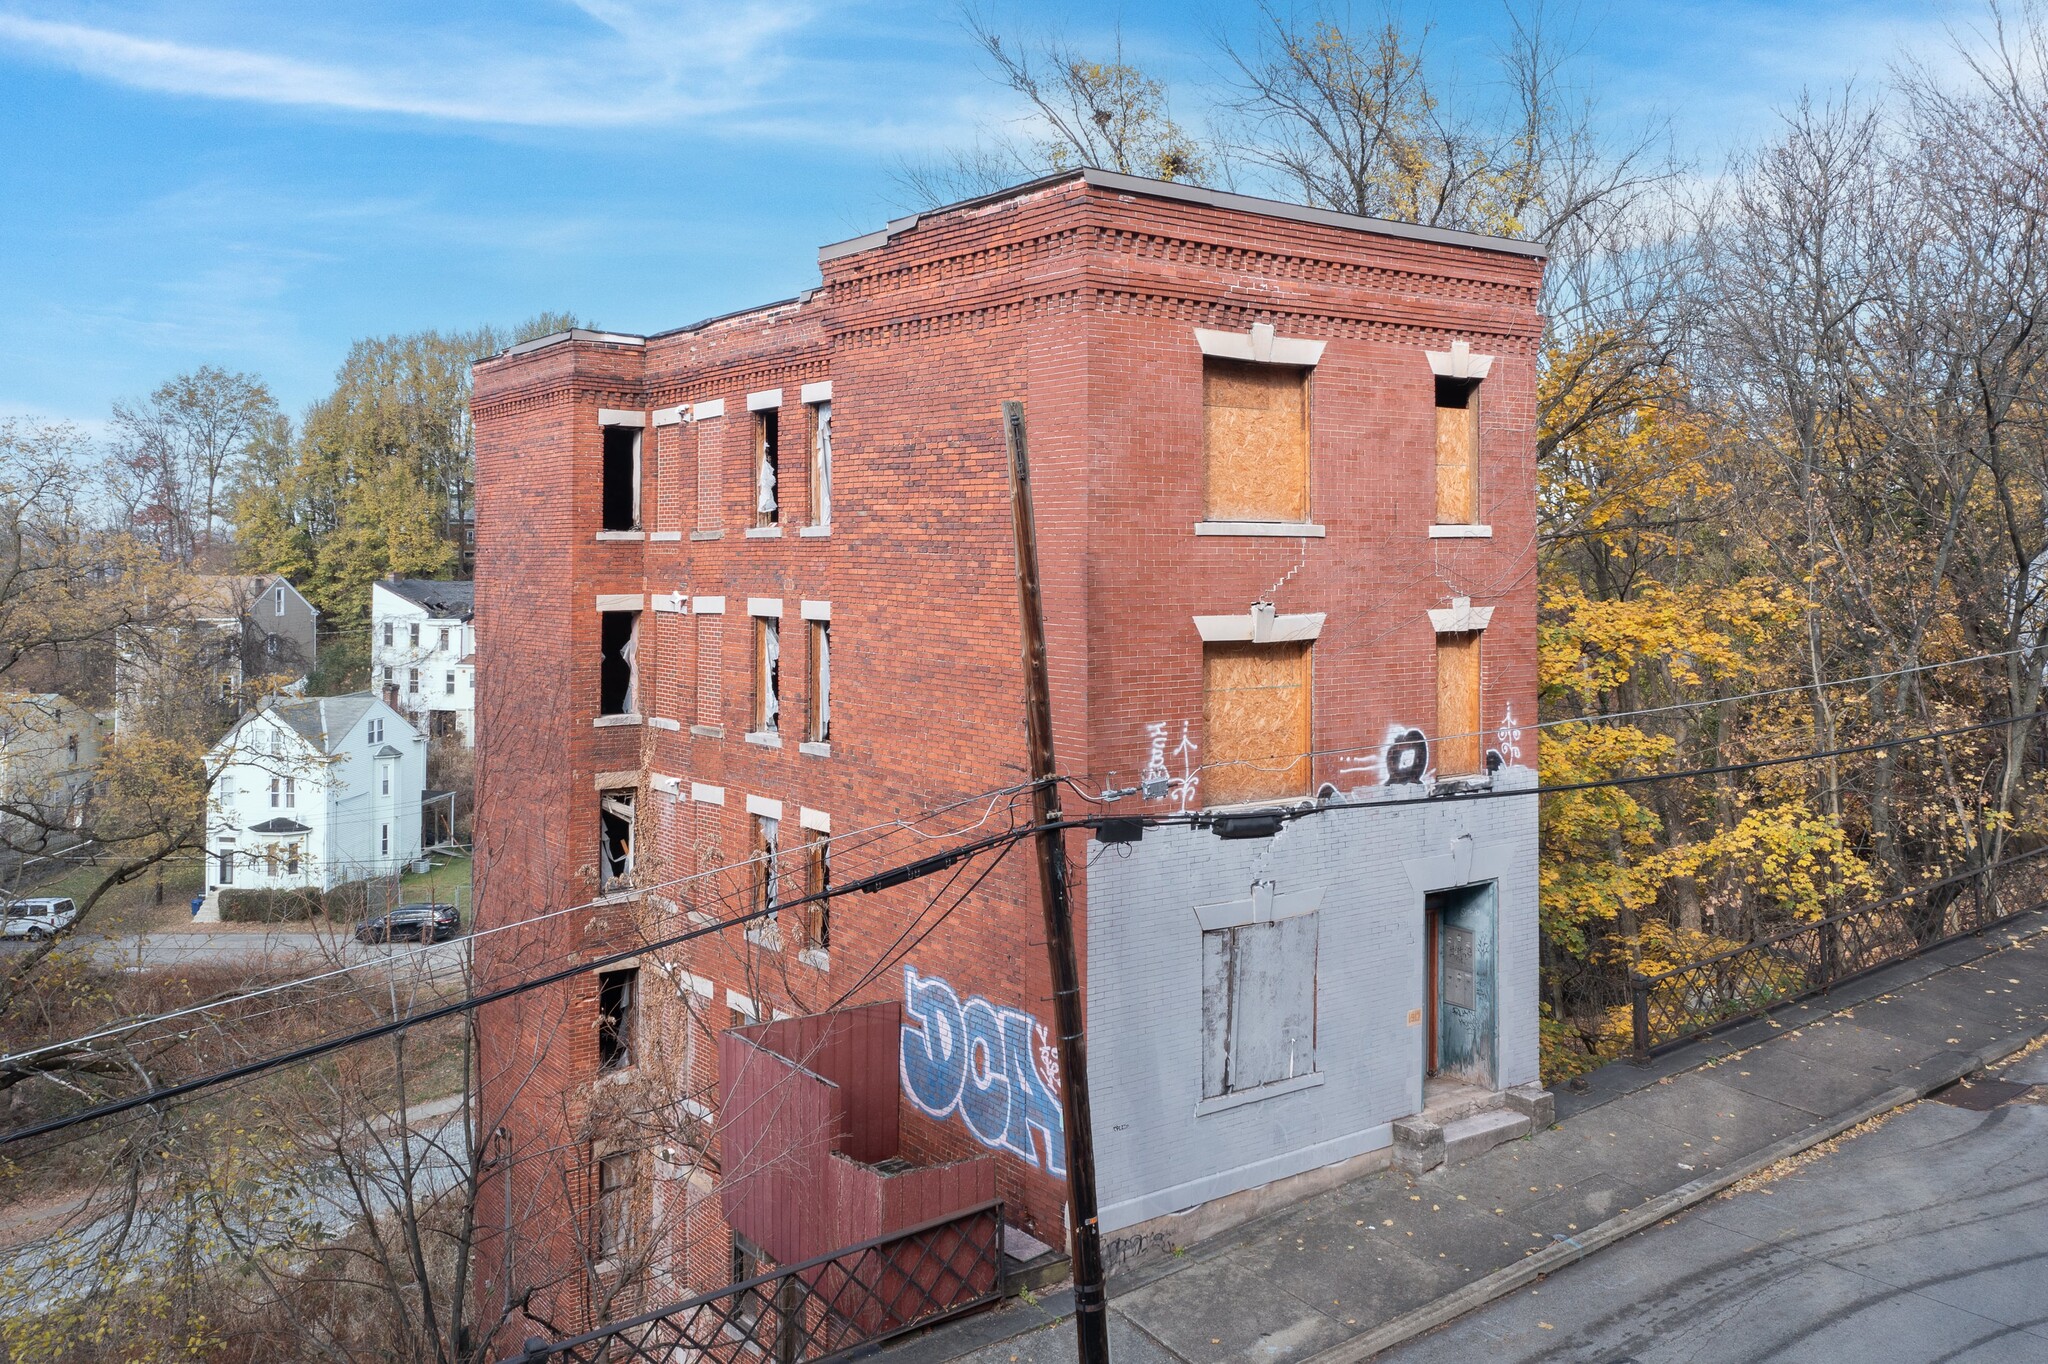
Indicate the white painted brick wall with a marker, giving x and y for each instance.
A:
(1155, 1155)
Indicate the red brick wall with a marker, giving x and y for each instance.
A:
(1082, 304)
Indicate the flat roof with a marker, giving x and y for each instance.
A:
(1211, 198)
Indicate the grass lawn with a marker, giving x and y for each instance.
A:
(447, 884)
(132, 908)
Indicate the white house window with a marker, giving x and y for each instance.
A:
(291, 859)
(384, 840)
(449, 686)
(276, 786)
(227, 864)
(390, 676)
(388, 641)
(444, 637)
(384, 775)
(279, 598)
(377, 730)
(412, 681)
(415, 640)
(291, 793)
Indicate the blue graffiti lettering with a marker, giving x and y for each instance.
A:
(978, 1059)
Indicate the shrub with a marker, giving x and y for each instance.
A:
(346, 902)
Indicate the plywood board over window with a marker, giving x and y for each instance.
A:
(1255, 440)
(1457, 451)
(1458, 749)
(1255, 713)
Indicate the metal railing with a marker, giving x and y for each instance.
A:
(818, 1310)
(1696, 997)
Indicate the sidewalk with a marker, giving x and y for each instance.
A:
(1343, 1275)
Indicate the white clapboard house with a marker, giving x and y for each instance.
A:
(314, 791)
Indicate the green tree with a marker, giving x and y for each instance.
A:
(377, 479)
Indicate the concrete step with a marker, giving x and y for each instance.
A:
(1481, 1132)
(1446, 1103)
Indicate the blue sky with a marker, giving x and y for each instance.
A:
(253, 185)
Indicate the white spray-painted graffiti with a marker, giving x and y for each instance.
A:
(1507, 743)
(984, 1062)
(1180, 789)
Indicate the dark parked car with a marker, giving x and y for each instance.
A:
(417, 923)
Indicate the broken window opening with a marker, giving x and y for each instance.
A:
(818, 724)
(618, 674)
(617, 1002)
(767, 881)
(767, 462)
(621, 478)
(767, 674)
(1255, 426)
(1457, 451)
(817, 880)
(614, 1207)
(615, 819)
(821, 463)
(1258, 1004)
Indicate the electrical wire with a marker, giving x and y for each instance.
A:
(926, 866)
(879, 829)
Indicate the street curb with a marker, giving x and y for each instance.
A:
(1572, 1249)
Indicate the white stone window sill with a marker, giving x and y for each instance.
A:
(765, 739)
(613, 721)
(1224, 1102)
(815, 532)
(702, 919)
(708, 731)
(1306, 530)
(618, 1075)
(609, 535)
(764, 532)
(707, 535)
(615, 897)
(1461, 532)
(815, 750)
(769, 940)
(816, 957)
(657, 722)
(665, 535)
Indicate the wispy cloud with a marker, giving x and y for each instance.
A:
(629, 64)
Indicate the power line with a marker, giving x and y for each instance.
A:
(881, 880)
(880, 829)
(941, 861)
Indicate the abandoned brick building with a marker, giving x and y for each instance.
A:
(747, 587)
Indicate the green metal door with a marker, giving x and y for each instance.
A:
(1464, 920)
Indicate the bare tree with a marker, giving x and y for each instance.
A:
(179, 450)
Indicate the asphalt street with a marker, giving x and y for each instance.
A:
(1924, 1239)
(273, 947)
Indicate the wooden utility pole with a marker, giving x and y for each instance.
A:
(1091, 1309)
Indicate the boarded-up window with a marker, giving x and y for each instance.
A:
(817, 880)
(1258, 1004)
(1255, 441)
(621, 480)
(1457, 705)
(1255, 713)
(818, 719)
(1457, 452)
(614, 1238)
(821, 463)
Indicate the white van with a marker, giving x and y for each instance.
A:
(37, 919)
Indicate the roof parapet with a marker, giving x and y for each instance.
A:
(1194, 194)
